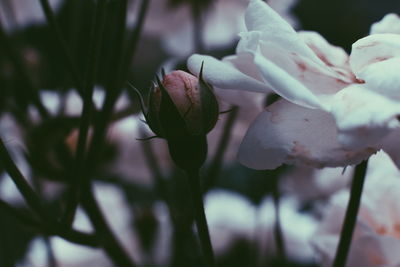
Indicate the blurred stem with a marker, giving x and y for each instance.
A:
(30, 196)
(279, 239)
(154, 167)
(109, 242)
(22, 72)
(51, 259)
(69, 62)
(23, 219)
(351, 215)
(114, 89)
(200, 217)
(78, 172)
(35, 203)
(197, 28)
(216, 162)
(134, 41)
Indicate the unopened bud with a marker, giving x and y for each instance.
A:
(181, 105)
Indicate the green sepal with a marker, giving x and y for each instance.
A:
(172, 122)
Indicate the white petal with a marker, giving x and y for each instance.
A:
(389, 24)
(363, 117)
(374, 48)
(223, 75)
(284, 84)
(391, 147)
(331, 55)
(288, 133)
(320, 80)
(260, 17)
(383, 77)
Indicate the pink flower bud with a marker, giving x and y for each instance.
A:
(181, 105)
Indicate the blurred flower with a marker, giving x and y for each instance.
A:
(232, 218)
(336, 109)
(310, 184)
(21, 13)
(376, 240)
(297, 229)
(222, 21)
(119, 216)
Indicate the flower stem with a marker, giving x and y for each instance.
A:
(279, 239)
(200, 217)
(351, 215)
(110, 243)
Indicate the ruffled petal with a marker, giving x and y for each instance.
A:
(260, 17)
(287, 133)
(363, 117)
(374, 48)
(223, 75)
(383, 77)
(331, 55)
(389, 24)
(284, 84)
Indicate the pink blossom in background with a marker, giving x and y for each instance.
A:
(376, 240)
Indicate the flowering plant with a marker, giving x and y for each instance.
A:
(336, 109)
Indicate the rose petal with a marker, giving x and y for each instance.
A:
(331, 55)
(391, 147)
(285, 85)
(260, 17)
(363, 117)
(383, 77)
(223, 75)
(389, 24)
(374, 48)
(287, 133)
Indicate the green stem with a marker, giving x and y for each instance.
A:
(36, 204)
(110, 244)
(69, 62)
(351, 215)
(78, 173)
(200, 217)
(32, 199)
(280, 243)
(31, 93)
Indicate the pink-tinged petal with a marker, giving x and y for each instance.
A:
(383, 77)
(260, 17)
(331, 55)
(389, 24)
(320, 80)
(284, 84)
(288, 133)
(223, 75)
(374, 48)
(363, 117)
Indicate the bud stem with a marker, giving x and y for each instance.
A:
(200, 217)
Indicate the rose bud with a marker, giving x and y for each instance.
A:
(182, 105)
(183, 109)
